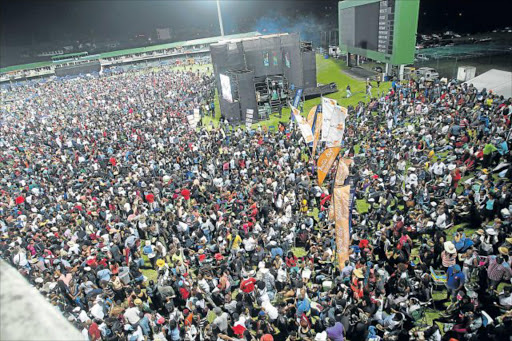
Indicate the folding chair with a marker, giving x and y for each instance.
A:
(438, 277)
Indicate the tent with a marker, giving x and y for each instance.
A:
(500, 82)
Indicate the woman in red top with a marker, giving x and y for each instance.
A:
(356, 284)
(456, 176)
(291, 260)
(114, 268)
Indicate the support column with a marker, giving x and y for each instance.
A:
(401, 72)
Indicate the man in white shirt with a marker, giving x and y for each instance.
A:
(221, 321)
(438, 168)
(412, 178)
(20, 259)
(132, 315)
(249, 244)
(441, 220)
(271, 311)
(203, 284)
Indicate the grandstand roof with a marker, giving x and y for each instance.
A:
(139, 50)
(69, 55)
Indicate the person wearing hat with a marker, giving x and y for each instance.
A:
(357, 284)
(449, 254)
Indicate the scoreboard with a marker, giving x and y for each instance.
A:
(383, 30)
(386, 16)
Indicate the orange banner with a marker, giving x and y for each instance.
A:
(325, 162)
(316, 136)
(311, 116)
(342, 171)
(341, 216)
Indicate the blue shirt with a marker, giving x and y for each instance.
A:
(104, 275)
(489, 205)
(502, 148)
(144, 324)
(454, 280)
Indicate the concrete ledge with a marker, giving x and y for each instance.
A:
(26, 315)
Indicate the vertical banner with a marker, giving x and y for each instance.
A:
(342, 178)
(327, 111)
(316, 128)
(325, 162)
(341, 218)
(305, 129)
(337, 127)
(351, 203)
(311, 115)
(296, 99)
(342, 172)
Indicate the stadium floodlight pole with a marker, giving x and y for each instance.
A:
(220, 19)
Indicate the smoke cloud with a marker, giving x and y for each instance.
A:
(309, 26)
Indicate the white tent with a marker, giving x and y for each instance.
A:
(500, 82)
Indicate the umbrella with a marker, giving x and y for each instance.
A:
(20, 200)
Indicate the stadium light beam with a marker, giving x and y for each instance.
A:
(220, 18)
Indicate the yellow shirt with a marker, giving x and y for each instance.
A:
(175, 258)
(236, 242)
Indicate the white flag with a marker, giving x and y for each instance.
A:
(304, 127)
(337, 127)
(328, 105)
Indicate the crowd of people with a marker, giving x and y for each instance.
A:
(137, 227)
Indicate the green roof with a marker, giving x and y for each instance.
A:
(137, 50)
(25, 66)
(177, 44)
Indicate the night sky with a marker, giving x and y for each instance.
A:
(25, 22)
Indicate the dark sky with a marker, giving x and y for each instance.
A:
(24, 21)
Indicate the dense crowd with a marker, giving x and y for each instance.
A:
(137, 227)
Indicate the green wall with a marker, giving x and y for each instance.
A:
(404, 33)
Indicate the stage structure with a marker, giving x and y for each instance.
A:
(259, 75)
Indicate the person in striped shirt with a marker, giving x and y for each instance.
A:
(498, 269)
(449, 254)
